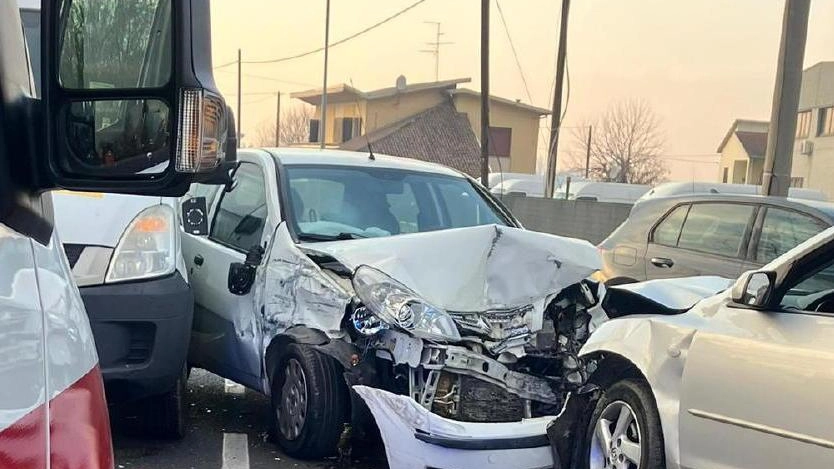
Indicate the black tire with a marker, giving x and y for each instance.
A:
(637, 394)
(327, 403)
(164, 416)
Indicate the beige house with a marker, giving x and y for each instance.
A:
(435, 121)
(742, 150)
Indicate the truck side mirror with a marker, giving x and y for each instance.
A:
(129, 99)
(195, 216)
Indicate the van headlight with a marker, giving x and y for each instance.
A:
(147, 247)
(395, 304)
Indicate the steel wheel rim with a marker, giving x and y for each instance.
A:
(616, 442)
(292, 408)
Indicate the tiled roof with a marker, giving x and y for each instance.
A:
(754, 143)
(438, 135)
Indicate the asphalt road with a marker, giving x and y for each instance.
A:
(228, 429)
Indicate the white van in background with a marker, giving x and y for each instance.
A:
(682, 188)
(602, 191)
(124, 252)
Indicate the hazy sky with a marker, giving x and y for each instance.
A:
(699, 64)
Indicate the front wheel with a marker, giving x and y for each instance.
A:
(309, 403)
(624, 431)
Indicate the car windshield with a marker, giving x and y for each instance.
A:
(340, 202)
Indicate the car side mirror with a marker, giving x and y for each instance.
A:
(754, 289)
(242, 274)
(194, 216)
(137, 115)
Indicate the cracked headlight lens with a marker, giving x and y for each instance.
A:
(395, 304)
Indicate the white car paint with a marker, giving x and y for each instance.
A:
(736, 387)
(602, 192)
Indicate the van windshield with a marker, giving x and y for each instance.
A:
(343, 202)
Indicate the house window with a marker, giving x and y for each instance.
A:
(314, 131)
(803, 124)
(500, 140)
(726, 175)
(797, 182)
(825, 126)
(347, 128)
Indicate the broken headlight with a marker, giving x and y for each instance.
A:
(395, 304)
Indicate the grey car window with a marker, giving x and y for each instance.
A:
(241, 214)
(668, 231)
(784, 229)
(716, 228)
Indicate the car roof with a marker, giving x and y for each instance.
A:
(824, 208)
(315, 156)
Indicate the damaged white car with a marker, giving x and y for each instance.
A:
(741, 379)
(326, 275)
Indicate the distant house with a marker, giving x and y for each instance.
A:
(434, 121)
(742, 150)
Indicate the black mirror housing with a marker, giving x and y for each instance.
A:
(154, 135)
(242, 274)
(195, 216)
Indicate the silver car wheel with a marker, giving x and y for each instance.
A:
(616, 443)
(292, 410)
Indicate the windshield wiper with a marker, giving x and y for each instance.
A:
(328, 237)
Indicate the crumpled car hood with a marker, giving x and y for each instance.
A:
(473, 269)
(662, 296)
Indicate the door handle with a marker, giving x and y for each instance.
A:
(198, 260)
(662, 262)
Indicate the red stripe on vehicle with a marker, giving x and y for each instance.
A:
(23, 444)
(79, 426)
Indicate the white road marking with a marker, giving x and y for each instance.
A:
(234, 388)
(235, 451)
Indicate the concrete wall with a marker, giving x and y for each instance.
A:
(524, 124)
(817, 169)
(583, 219)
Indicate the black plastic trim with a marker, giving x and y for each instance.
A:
(486, 444)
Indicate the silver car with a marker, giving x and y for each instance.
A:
(742, 379)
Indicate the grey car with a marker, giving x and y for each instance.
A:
(708, 234)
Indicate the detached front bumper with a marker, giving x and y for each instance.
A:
(141, 330)
(415, 438)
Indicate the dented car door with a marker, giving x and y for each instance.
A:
(226, 336)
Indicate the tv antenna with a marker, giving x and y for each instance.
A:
(435, 50)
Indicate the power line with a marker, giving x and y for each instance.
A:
(336, 43)
(278, 80)
(515, 54)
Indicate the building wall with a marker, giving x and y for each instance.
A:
(734, 160)
(525, 125)
(817, 170)
(582, 219)
(386, 111)
(340, 110)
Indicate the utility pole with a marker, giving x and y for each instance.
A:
(239, 96)
(588, 152)
(278, 120)
(556, 115)
(485, 93)
(780, 138)
(323, 120)
(435, 50)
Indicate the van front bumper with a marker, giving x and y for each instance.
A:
(141, 330)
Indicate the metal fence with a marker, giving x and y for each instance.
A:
(582, 219)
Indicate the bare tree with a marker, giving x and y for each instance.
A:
(625, 145)
(295, 128)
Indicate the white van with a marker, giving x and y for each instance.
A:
(124, 252)
(87, 137)
(602, 192)
(682, 188)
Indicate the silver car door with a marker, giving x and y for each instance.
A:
(756, 389)
(226, 334)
